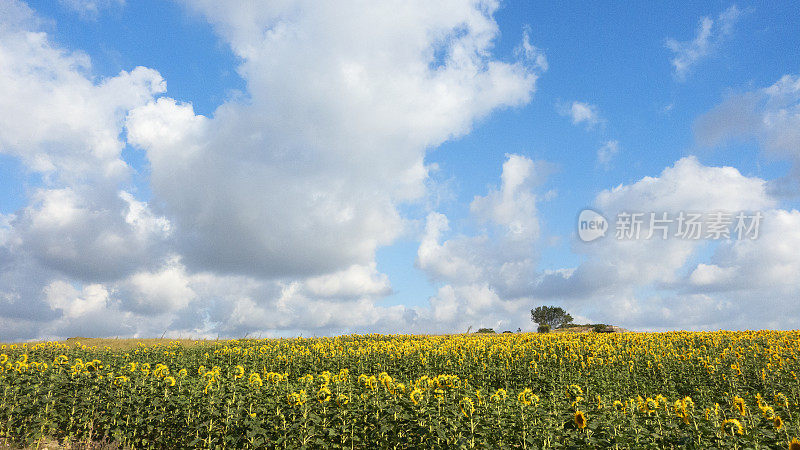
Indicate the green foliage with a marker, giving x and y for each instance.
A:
(554, 316)
(543, 328)
(485, 330)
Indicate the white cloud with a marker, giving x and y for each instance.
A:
(772, 253)
(771, 115)
(68, 132)
(304, 178)
(581, 113)
(86, 236)
(163, 291)
(531, 52)
(270, 210)
(607, 152)
(69, 129)
(74, 303)
(488, 276)
(710, 34)
(353, 282)
(665, 284)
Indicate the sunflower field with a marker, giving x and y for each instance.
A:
(631, 390)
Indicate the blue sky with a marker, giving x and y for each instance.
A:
(323, 169)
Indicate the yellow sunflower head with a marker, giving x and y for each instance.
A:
(527, 397)
(738, 403)
(255, 380)
(732, 426)
(416, 396)
(499, 396)
(580, 419)
(324, 395)
(467, 406)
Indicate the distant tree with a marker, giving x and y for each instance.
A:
(552, 316)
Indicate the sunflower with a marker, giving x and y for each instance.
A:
(170, 381)
(306, 379)
(238, 372)
(255, 380)
(732, 425)
(324, 394)
(574, 390)
(161, 370)
(527, 397)
(416, 396)
(499, 396)
(680, 410)
(777, 422)
(794, 445)
(297, 398)
(467, 406)
(781, 399)
(325, 377)
(738, 402)
(580, 419)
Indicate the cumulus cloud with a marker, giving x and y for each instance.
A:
(581, 113)
(771, 115)
(487, 276)
(649, 283)
(69, 129)
(79, 221)
(710, 34)
(667, 283)
(270, 210)
(304, 177)
(86, 236)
